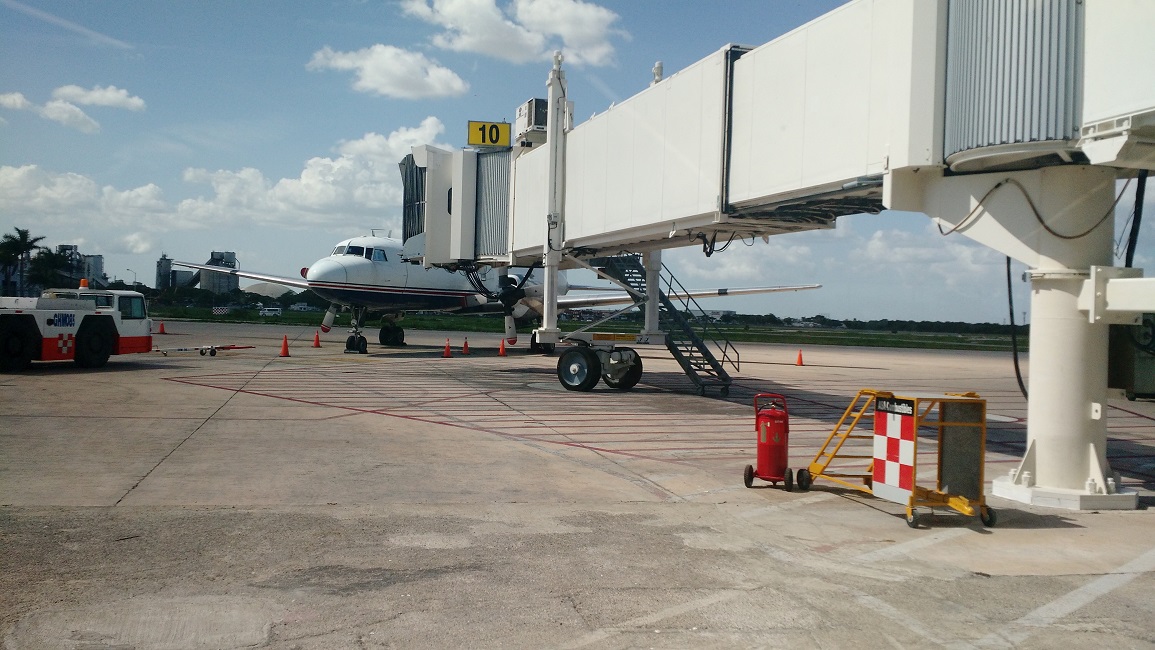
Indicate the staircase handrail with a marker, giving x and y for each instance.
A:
(709, 332)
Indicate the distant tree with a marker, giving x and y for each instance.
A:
(48, 269)
(9, 260)
(22, 245)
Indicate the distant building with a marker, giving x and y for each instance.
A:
(164, 272)
(81, 266)
(181, 278)
(221, 282)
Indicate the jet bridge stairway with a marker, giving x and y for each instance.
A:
(688, 337)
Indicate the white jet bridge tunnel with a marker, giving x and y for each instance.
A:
(1009, 123)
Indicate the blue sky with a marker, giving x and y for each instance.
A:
(273, 129)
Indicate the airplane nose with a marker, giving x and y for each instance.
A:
(327, 270)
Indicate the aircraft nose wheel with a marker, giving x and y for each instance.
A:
(358, 344)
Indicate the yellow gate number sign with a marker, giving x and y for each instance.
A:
(488, 134)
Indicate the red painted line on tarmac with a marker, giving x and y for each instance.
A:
(457, 425)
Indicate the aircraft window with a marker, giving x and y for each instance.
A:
(379, 255)
(355, 250)
(368, 253)
(340, 250)
(132, 307)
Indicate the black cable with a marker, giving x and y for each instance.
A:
(1133, 240)
(1014, 335)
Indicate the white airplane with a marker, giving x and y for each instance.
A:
(367, 274)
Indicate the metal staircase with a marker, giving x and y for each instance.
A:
(697, 345)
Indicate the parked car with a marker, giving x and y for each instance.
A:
(270, 311)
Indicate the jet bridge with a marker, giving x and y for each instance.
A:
(1005, 122)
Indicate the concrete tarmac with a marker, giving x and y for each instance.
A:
(402, 499)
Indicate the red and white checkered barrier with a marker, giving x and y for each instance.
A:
(894, 449)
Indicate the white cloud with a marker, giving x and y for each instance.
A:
(135, 244)
(63, 107)
(110, 96)
(16, 102)
(477, 26)
(530, 31)
(69, 115)
(583, 27)
(359, 186)
(392, 72)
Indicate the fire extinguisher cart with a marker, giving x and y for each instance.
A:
(961, 424)
(772, 425)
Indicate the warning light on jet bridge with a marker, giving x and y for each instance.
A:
(488, 134)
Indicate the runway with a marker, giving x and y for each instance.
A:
(403, 499)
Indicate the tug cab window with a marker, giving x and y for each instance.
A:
(132, 308)
(355, 250)
(379, 255)
(101, 299)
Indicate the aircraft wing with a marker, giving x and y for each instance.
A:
(299, 283)
(623, 298)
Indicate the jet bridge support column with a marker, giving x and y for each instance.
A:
(549, 333)
(653, 263)
(1060, 222)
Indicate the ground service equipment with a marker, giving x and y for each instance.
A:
(85, 325)
(772, 423)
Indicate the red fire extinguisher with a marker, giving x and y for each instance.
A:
(772, 425)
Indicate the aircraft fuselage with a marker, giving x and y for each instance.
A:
(369, 272)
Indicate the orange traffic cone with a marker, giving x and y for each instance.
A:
(501, 348)
(798, 362)
(285, 346)
(161, 330)
(316, 339)
(465, 346)
(446, 354)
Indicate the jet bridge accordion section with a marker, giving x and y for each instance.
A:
(754, 141)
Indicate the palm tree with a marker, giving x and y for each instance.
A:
(21, 245)
(49, 269)
(8, 262)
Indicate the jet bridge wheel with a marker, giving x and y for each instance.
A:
(631, 378)
(579, 369)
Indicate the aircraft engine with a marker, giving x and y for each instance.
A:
(327, 322)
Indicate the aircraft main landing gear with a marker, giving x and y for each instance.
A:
(392, 334)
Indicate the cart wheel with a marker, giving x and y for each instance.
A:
(788, 484)
(987, 517)
(203, 352)
(213, 352)
(748, 476)
(911, 518)
(804, 479)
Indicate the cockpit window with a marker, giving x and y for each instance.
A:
(340, 250)
(355, 250)
(368, 253)
(379, 255)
